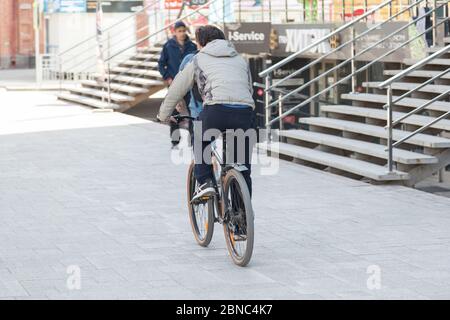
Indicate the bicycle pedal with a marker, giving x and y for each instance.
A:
(200, 200)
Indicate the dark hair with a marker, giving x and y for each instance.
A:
(208, 33)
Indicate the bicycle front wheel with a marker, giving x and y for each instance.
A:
(201, 215)
(239, 218)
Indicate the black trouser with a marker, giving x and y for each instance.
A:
(222, 118)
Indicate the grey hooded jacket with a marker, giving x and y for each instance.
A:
(222, 75)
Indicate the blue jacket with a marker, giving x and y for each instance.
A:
(171, 56)
(195, 106)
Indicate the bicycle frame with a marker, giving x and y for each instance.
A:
(224, 168)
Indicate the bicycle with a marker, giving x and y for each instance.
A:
(230, 206)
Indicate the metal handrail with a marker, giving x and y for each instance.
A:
(365, 67)
(155, 33)
(354, 56)
(415, 66)
(110, 46)
(279, 90)
(436, 77)
(315, 44)
(391, 103)
(376, 26)
(110, 27)
(162, 29)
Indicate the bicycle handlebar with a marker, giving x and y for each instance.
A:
(180, 118)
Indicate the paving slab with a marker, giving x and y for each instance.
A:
(97, 195)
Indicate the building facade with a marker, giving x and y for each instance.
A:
(16, 34)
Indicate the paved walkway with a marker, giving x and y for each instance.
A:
(95, 194)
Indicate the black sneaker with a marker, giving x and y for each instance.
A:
(204, 192)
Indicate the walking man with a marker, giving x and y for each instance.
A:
(173, 52)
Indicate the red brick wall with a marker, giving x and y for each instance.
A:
(16, 33)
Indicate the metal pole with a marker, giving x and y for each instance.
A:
(286, 10)
(434, 23)
(240, 9)
(60, 73)
(390, 9)
(109, 73)
(280, 109)
(262, 10)
(304, 11)
(223, 13)
(389, 127)
(343, 10)
(323, 11)
(37, 27)
(365, 8)
(270, 10)
(267, 103)
(353, 64)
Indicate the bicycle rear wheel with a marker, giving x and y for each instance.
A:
(239, 218)
(201, 216)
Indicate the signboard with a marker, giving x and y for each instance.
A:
(290, 38)
(116, 5)
(65, 6)
(71, 6)
(252, 38)
(286, 39)
(384, 46)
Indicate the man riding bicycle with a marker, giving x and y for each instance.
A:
(225, 85)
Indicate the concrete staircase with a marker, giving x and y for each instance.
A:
(131, 82)
(351, 139)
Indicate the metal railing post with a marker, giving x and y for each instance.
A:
(280, 109)
(286, 10)
(109, 71)
(270, 10)
(343, 10)
(365, 8)
(267, 107)
(304, 11)
(389, 128)
(223, 12)
(390, 10)
(240, 10)
(60, 73)
(353, 63)
(434, 18)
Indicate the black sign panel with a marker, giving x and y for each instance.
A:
(250, 38)
(116, 5)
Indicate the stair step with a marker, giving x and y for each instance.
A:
(418, 73)
(115, 86)
(435, 49)
(406, 86)
(423, 140)
(101, 94)
(363, 147)
(92, 102)
(147, 64)
(133, 80)
(434, 62)
(149, 49)
(145, 56)
(359, 167)
(440, 106)
(140, 72)
(382, 114)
